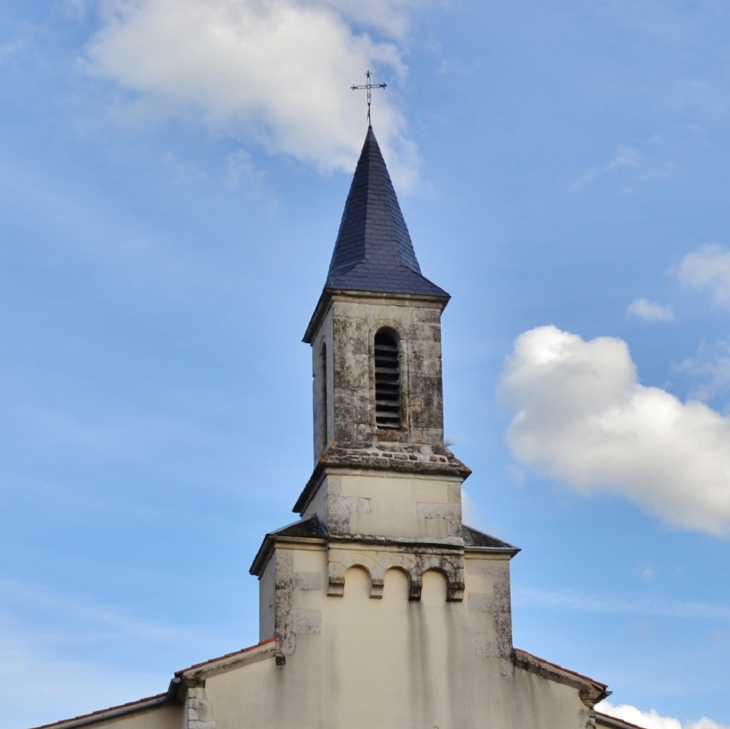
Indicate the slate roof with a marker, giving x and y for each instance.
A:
(374, 251)
(311, 527)
(474, 538)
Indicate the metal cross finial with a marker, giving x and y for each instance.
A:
(368, 86)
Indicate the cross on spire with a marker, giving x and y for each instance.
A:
(368, 86)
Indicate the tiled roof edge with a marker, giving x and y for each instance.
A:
(613, 722)
(589, 690)
(112, 712)
(225, 656)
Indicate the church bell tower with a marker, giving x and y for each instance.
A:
(385, 491)
(382, 470)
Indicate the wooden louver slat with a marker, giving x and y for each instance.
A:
(387, 382)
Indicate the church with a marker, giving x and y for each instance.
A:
(379, 608)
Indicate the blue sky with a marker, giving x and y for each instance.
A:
(172, 176)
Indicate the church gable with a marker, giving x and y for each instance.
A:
(379, 607)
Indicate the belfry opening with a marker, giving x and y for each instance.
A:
(387, 381)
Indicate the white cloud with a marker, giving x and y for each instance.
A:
(651, 719)
(582, 416)
(708, 268)
(276, 72)
(648, 311)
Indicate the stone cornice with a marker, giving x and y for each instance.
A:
(393, 457)
(329, 295)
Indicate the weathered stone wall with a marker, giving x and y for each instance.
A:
(490, 609)
(323, 388)
(267, 601)
(348, 330)
(390, 504)
(199, 710)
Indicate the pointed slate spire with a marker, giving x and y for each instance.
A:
(373, 251)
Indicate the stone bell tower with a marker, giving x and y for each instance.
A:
(385, 491)
(382, 471)
(375, 287)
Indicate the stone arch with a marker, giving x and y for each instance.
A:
(348, 560)
(443, 585)
(356, 574)
(399, 569)
(450, 566)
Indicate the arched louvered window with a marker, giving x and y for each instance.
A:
(387, 381)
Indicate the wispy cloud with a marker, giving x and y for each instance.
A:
(114, 436)
(624, 157)
(94, 619)
(46, 669)
(629, 165)
(46, 688)
(621, 605)
(708, 268)
(585, 179)
(649, 311)
(241, 173)
(711, 366)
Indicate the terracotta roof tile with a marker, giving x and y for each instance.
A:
(623, 722)
(129, 705)
(225, 655)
